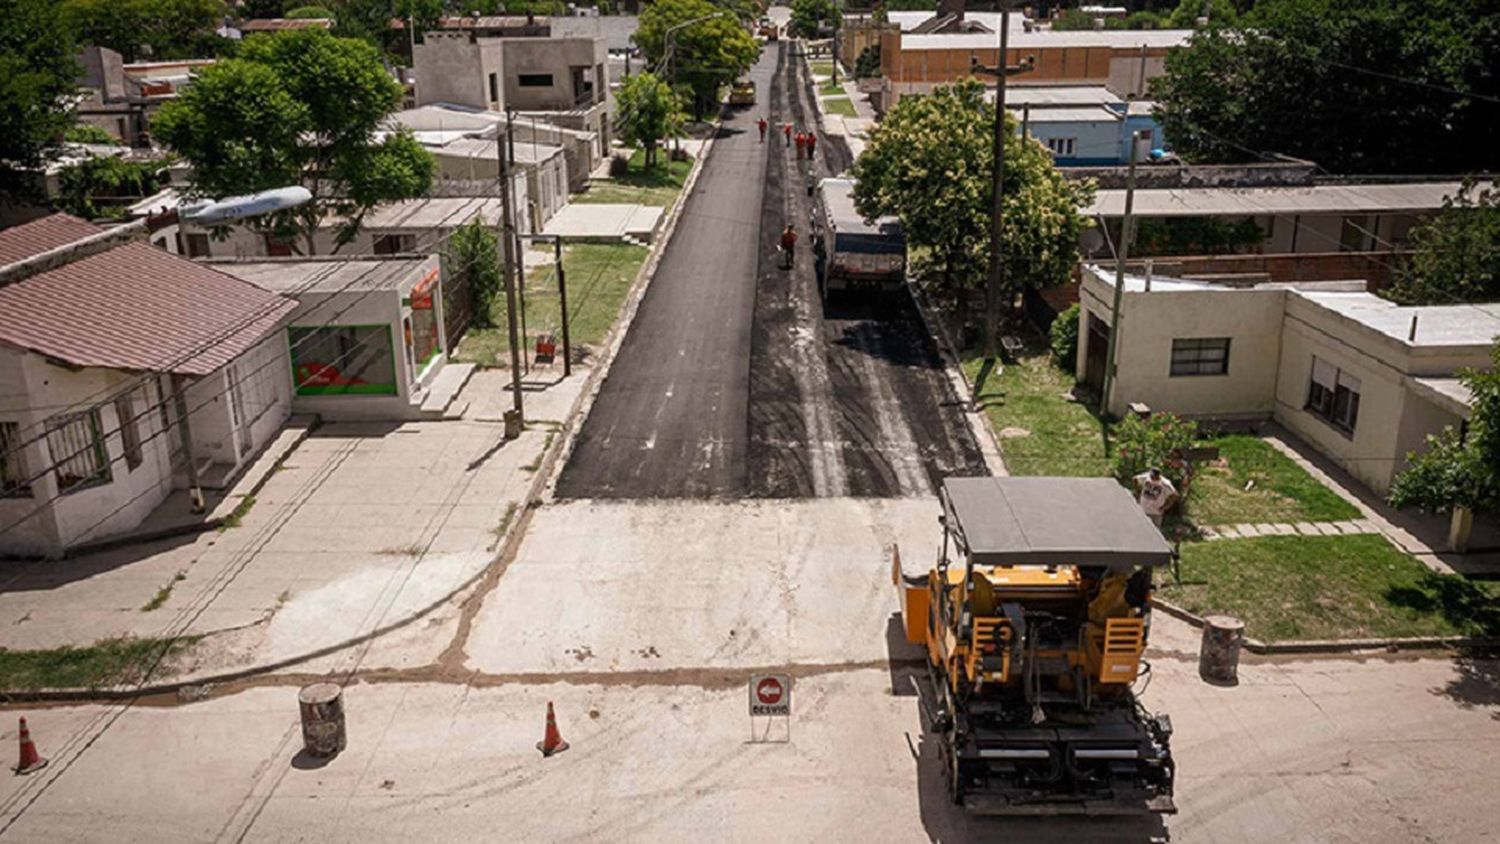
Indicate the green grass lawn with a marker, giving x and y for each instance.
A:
(599, 276)
(1281, 490)
(1330, 587)
(658, 186)
(839, 105)
(831, 87)
(1040, 431)
(821, 67)
(108, 662)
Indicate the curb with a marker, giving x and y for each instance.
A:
(540, 489)
(1338, 646)
(979, 423)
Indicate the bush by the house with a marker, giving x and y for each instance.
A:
(1065, 338)
(868, 63)
(1143, 444)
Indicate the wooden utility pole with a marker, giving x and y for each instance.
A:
(508, 248)
(996, 286)
(1127, 233)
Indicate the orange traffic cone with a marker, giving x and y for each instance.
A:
(30, 759)
(553, 741)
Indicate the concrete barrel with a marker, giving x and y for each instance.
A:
(322, 706)
(1219, 656)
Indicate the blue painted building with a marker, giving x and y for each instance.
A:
(1085, 125)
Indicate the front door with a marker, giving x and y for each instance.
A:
(1098, 351)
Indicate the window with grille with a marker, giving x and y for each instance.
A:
(1062, 147)
(130, 429)
(1333, 395)
(14, 480)
(1200, 356)
(78, 454)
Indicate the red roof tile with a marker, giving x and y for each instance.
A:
(282, 24)
(31, 239)
(138, 307)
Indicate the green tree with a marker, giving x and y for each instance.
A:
(868, 63)
(308, 12)
(81, 185)
(646, 113)
(158, 29)
(370, 20)
(810, 16)
(298, 107)
(930, 162)
(1456, 254)
(1359, 86)
(1187, 13)
(473, 257)
(250, 9)
(1454, 471)
(910, 5)
(37, 76)
(707, 54)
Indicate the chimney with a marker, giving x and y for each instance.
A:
(950, 7)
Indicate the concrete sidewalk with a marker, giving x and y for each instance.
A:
(364, 525)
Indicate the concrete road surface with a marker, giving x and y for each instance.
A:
(1343, 750)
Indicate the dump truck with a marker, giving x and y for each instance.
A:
(858, 254)
(1034, 619)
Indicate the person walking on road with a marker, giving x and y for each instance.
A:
(788, 245)
(801, 145)
(786, 129)
(762, 124)
(812, 144)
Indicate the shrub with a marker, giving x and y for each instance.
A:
(1142, 444)
(1065, 338)
(619, 165)
(868, 63)
(84, 133)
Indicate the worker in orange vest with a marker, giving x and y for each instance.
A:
(786, 129)
(788, 245)
(762, 124)
(812, 144)
(801, 140)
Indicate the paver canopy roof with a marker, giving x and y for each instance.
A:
(1045, 521)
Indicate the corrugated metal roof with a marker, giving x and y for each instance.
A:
(1313, 199)
(282, 24)
(326, 276)
(28, 240)
(138, 307)
(431, 213)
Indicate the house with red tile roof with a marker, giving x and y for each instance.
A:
(125, 372)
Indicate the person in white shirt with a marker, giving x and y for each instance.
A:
(1155, 494)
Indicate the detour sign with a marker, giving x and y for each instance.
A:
(771, 694)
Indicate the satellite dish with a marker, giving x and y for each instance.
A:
(1092, 242)
(240, 207)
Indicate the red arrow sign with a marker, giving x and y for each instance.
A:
(769, 691)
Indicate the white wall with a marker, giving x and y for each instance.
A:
(1149, 323)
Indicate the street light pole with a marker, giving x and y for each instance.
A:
(507, 245)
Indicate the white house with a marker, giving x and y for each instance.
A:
(1363, 380)
(127, 372)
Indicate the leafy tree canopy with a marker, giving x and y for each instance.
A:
(1359, 86)
(707, 54)
(370, 20)
(262, 8)
(1456, 254)
(298, 107)
(148, 29)
(308, 12)
(930, 162)
(37, 75)
(646, 112)
(809, 17)
(1459, 472)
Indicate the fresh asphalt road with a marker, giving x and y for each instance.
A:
(669, 420)
(734, 380)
